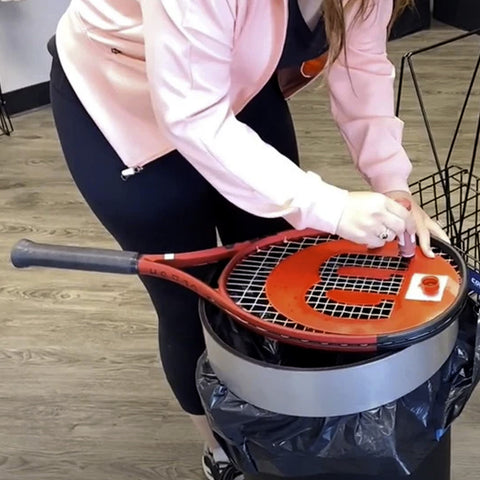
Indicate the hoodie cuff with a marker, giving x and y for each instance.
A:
(389, 183)
(319, 205)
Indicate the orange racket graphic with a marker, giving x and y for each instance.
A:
(302, 287)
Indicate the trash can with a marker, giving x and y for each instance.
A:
(436, 466)
(399, 435)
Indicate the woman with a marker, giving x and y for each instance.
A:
(173, 121)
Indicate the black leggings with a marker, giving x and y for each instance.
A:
(168, 206)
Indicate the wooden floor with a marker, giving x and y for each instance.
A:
(81, 393)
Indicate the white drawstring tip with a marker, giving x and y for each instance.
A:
(129, 172)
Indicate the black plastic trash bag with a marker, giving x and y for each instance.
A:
(392, 439)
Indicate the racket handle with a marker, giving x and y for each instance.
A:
(406, 242)
(29, 254)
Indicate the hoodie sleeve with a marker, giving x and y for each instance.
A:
(189, 45)
(361, 85)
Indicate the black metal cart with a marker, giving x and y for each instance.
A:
(451, 195)
(6, 126)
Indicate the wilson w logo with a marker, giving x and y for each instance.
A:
(357, 286)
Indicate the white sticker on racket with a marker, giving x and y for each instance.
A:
(416, 292)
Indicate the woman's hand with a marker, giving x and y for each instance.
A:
(372, 219)
(420, 223)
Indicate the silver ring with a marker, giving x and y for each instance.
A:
(385, 234)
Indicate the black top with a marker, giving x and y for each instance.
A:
(301, 43)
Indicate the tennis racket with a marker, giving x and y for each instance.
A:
(301, 287)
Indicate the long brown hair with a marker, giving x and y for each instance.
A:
(334, 10)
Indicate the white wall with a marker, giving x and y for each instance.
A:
(25, 28)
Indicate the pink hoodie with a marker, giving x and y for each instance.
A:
(172, 74)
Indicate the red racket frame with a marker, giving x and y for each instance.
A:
(168, 266)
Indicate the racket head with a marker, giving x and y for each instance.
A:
(269, 280)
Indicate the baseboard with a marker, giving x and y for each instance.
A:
(463, 14)
(27, 98)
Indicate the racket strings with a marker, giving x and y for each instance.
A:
(246, 282)
(317, 297)
(450, 260)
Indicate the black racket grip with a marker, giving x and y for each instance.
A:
(29, 254)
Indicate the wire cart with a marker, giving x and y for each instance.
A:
(451, 195)
(6, 126)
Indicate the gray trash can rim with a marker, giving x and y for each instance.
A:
(324, 391)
